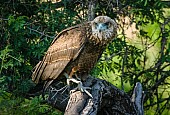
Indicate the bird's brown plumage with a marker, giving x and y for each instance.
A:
(76, 48)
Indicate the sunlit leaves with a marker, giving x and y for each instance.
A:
(4, 59)
(17, 23)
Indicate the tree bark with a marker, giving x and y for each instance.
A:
(107, 99)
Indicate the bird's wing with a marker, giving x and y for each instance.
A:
(64, 49)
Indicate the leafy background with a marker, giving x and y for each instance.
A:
(28, 27)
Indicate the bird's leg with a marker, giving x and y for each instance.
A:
(73, 72)
(80, 85)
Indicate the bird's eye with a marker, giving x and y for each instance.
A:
(107, 23)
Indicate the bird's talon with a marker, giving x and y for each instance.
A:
(84, 89)
(88, 93)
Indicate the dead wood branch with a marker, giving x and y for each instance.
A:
(107, 99)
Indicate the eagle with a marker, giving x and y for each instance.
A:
(75, 51)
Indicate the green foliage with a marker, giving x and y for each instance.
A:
(21, 106)
(27, 29)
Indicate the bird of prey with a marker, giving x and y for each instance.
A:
(75, 51)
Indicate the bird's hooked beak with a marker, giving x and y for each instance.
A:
(101, 27)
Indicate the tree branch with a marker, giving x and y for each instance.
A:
(107, 99)
(41, 33)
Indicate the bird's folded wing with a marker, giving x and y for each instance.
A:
(65, 47)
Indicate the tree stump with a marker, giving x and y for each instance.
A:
(107, 99)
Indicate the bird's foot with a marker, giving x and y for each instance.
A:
(80, 87)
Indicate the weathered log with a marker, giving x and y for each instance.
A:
(107, 99)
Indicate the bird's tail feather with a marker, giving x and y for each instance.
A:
(46, 85)
(39, 68)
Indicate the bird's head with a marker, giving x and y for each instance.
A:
(103, 27)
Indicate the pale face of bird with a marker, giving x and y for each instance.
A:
(103, 27)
